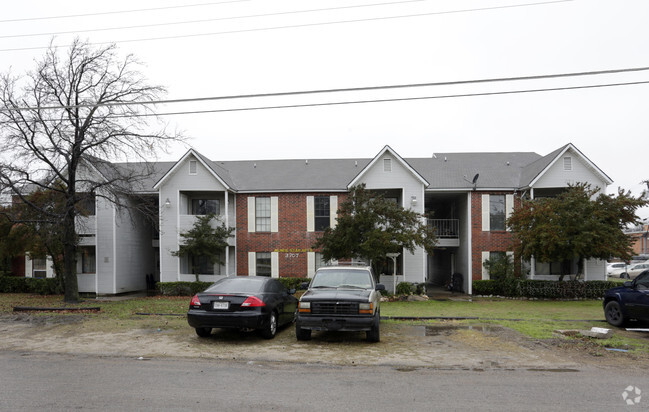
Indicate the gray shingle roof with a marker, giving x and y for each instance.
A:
(444, 171)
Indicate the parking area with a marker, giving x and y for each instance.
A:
(445, 345)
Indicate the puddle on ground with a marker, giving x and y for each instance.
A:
(445, 330)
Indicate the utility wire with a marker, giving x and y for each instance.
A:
(121, 11)
(345, 90)
(294, 26)
(209, 20)
(402, 99)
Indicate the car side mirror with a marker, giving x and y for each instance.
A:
(380, 286)
(304, 285)
(628, 284)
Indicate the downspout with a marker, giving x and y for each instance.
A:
(469, 245)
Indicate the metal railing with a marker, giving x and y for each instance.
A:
(446, 228)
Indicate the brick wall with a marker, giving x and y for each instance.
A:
(492, 241)
(292, 240)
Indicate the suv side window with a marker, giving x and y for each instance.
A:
(643, 281)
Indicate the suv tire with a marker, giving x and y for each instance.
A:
(302, 334)
(613, 313)
(374, 335)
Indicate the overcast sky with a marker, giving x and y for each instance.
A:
(269, 46)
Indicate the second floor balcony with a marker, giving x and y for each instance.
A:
(447, 231)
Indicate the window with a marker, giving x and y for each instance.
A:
(263, 264)
(206, 207)
(193, 167)
(88, 259)
(39, 268)
(567, 163)
(322, 213)
(497, 212)
(262, 214)
(86, 206)
(201, 265)
(387, 165)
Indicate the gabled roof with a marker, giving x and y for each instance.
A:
(395, 155)
(534, 171)
(208, 164)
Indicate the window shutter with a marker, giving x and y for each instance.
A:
(274, 264)
(252, 263)
(509, 206)
(333, 210)
(310, 213)
(485, 272)
(485, 213)
(251, 214)
(274, 214)
(310, 262)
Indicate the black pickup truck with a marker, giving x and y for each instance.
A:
(340, 298)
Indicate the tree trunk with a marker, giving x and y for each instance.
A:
(70, 258)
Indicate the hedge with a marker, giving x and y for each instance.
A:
(543, 289)
(41, 286)
(192, 288)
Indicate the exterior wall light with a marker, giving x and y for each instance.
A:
(167, 203)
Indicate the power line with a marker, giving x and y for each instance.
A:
(346, 90)
(401, 99)
(294, 26)
(121, 11)
(209, 20)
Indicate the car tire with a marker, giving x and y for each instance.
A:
(203, 332)
(302, 334)
(269, 331)
(374, 334)
(613, 313)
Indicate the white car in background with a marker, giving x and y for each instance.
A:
(615, 269)
(633, 271)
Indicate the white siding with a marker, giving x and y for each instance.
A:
(557, 176)
(399, 177)
(179, 180)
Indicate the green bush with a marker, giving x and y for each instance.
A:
(293, 283)
(41, 286)
(543, 289)
(404, 288)
(181, 288)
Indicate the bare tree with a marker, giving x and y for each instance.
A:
(64, 126)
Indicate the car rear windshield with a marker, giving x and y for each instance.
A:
(237, 285)
(334, 278)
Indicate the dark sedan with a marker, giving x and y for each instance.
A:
(630, 301)
(243, 302)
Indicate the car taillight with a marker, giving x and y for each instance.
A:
(252, 302)
(195, 302)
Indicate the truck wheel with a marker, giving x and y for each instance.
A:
(613, 313)
(302, 334)
(374, 335)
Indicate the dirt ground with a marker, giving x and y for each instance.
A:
(445, 346)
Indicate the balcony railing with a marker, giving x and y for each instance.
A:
(446, 228)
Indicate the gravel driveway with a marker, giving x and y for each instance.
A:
(445, 345)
